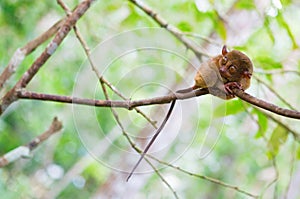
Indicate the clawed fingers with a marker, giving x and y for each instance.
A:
(230, 85)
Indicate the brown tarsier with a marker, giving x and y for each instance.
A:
(222, 72)
(219, 75)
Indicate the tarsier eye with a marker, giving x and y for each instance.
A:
(232, 69)
(224, 60)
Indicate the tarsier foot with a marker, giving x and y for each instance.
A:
(230, 85)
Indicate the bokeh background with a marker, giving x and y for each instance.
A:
(231, 142)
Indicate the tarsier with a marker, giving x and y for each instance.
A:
(219, 75)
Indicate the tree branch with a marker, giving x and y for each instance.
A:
(271, 116)
(69, 23)
(20, 53)
(172, 29)
(266, 105)
(94, 68)
(203, 177)
(189, 44)
(274, 92)
(157, 100)
(109, 103)
(24, 151)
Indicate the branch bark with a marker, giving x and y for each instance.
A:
(20, 53)
(157, 100)
(109, 103)
(266, 105)
(189, 44)
(11, 96)
(24, 151)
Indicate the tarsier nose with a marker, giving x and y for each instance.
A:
(222, 69)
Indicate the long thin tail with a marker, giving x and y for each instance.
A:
(153, 138)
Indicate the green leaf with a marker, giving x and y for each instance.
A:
(185, 26)
(221, 29)
(268, 63)
(278, 138)
(262, 122)
(285, 2)
(245, 4)
(230, 107)
(268, 29)
(298, 153)
(218, 24)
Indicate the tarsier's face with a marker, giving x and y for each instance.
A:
(234, 66)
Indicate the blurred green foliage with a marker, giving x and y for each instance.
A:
(237, 146)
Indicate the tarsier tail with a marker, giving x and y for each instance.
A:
(233, 69)
(153, 139)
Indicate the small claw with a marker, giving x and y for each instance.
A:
(230, 85)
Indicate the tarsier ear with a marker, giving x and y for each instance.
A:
(224, 50)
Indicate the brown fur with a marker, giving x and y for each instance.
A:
(221, 71)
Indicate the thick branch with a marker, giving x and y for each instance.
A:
(274, 92)
(157, 100)
(109, 103)
(271, 116)
(266, 105)
(24, 151)
(59, 37)
(32, 45)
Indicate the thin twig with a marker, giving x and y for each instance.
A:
(213, 180)
(255, 120)
(172, 29)
(273, 181)
(275, 194)
(162, 178)
(69, 23)
(275, 92)
(274, 158)
(21, 53)
(207, 39)
(98, 74)
(133, 145)
(24, 151)
(116, 116)
(104, 81)
(292, 164)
